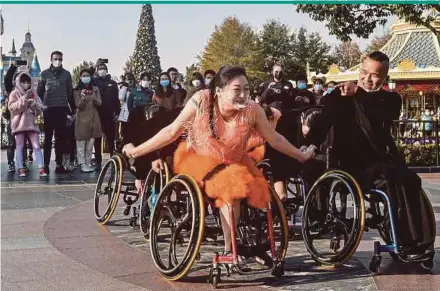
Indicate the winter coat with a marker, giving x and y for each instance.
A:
(88, 123)
(109, 91)
(23, 110)
(124, 93)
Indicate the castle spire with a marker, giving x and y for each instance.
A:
(13, 52)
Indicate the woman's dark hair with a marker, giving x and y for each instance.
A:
(197, 76)
(268, 111)
(212, 72)
(24, 78)
(225, 75)
(160, 92)
(310, 116)
(145, 74)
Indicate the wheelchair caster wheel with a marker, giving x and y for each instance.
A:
(428, 264)
(278, 271)
(214, 277)
(375, 264)
(335, 244)
(132, 221)
(127, 210)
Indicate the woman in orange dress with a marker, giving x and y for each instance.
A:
(218, 124)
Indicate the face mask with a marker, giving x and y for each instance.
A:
(26, 86)
(164, 83)
(330, 89)
(302, 85)
(102, 73)
(56, 63)
(196, 83)
(145, 84)
(278, 75)
(318, 87)
(85, 80)
(374, 90)
(207, 82)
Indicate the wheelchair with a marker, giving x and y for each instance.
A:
(336, 215)
(112, 182)
(178, 226)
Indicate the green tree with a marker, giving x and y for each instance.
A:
(361, 20)
(145, 57)
(233, 43)
(347, 54)
(378, 42)
(310, 48)
(78, 69)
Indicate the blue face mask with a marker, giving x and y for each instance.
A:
(86, 80)
(302, 85)
(165, 83)
(330, 89)
(318, 87)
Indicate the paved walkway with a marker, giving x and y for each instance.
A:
(50, 241)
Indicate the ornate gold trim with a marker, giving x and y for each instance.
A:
(406, 65)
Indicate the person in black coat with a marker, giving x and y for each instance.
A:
(108, 111)
(361, 116)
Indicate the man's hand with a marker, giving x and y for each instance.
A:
(138, 184)
(157, 165)
(347, 88)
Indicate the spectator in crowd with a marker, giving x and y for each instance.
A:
(196, 84)
(142, 94)
(108, 111)
(124, 92)
(209, 77)
(277, 91)
(318, 88)
(173, 73)
(55, 88)
(301, 95)
(87, 124)
(24, 106)
(165, 94)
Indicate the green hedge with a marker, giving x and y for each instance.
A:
(419, 155)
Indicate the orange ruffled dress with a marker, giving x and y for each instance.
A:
(202, 152)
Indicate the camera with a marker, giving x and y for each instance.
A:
(103, 61)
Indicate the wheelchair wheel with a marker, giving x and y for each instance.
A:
(153, 185)
(176, 227)
(333, 218)
(108, 189)
(253, 230)
(264, 167)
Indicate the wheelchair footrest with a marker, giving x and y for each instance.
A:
(249, 251)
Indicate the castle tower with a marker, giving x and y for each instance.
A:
(13, 52)
(28, 49)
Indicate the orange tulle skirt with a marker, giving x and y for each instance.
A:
(240, 180)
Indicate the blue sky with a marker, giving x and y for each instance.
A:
(87, 32)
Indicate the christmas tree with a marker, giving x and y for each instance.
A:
(145, 58)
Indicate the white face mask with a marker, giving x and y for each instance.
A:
(145, 84)
(372, 90)
(102, 73)
(56, 64)
(26, 86)
(196, 83)
(207, 82)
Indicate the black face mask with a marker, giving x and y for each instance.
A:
(279, 75)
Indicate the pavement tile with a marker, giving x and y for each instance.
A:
(8, 286)
(31, 255)
(26, 215)
(22, 230)
(83, 242)
(19, 243)
(38, 200)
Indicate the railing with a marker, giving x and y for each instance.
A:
(418, 141)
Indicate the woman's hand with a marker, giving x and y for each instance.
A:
(157, 165)
(129, 150)
(307, 154)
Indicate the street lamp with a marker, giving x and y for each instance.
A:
(391, 85)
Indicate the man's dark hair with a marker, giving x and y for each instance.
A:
(212, 72)
(331, 82)
(379, 57)
(145, 74)
(301, 77)
(56, 53)
(277, 65)
(172, 69)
